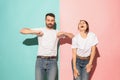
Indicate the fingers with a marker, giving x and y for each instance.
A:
(61, 35)
(76, 73)
(39, 33)
(88, 68)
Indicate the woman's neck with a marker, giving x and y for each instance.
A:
(83, 34)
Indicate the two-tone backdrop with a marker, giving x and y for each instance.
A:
(18, 52)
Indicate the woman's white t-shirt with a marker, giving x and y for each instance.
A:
(83, 45)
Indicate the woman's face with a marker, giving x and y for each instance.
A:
(82, 26)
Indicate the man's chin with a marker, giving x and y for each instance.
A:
(50, 27)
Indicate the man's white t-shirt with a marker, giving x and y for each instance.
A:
(84, 45)
(47, 42)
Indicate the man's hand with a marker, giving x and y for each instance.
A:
(38, 33)
(61, 35)
(65, 34)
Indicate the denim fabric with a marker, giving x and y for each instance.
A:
(46, 68)
(81, 64)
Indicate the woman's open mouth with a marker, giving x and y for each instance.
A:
(82, 26)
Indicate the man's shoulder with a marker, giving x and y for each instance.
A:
(56, 30)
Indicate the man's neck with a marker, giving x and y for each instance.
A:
(49, 28)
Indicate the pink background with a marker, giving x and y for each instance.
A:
(103, 17)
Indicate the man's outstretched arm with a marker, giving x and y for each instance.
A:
(29, 31)
(65, 34)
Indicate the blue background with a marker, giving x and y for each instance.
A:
(17, 60)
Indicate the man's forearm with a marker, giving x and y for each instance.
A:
(26, 31)
(70, 35)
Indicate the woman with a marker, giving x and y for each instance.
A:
(83, 50)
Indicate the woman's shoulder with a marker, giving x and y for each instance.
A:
(76, 37)
(91, 34)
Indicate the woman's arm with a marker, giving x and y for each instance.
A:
(92, 56)
(74, 58)
(93, 52)
(76, 73)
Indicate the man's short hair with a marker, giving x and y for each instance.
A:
(50, 14)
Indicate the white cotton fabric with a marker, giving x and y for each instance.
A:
(83, 45)
(48, 42)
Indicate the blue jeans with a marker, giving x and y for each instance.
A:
(81, 64)
(46, 68)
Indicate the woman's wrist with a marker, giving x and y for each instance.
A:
(74, 68)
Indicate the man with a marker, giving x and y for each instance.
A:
(48, 39)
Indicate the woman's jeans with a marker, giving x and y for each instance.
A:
(81, 66)
(46, 68)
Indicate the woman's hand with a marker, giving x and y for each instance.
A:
(88, 67)
(76, 73)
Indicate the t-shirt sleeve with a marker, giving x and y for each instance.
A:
(74, 43)
(94, 40)
(57, 31)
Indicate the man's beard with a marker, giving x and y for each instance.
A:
(50, 25)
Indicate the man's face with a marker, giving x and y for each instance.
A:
(50, 21)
